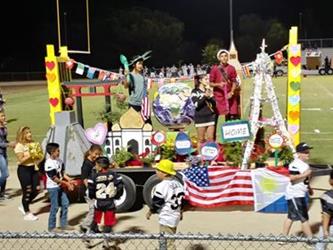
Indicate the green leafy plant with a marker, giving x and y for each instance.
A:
(113, 116)
(167, 150)
(259, 155)
(121, 157)
(148, 160)
(286, 155)
(233, 153)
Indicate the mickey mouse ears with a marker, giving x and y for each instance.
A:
(143, 57)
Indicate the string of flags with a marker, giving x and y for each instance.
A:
(249, 68)
(106, 75)
(93, 72)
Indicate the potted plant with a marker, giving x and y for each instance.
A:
(233, 153)
(148, 160)
(259, 156)
(121, 157)
(286, 155)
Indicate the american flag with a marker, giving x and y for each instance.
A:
(145, 105)
(145, 108)
(215, 186)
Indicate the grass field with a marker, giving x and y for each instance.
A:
(29, 105)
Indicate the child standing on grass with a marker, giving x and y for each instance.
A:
(27, 173)
(297, 190)
(105, 186)
(167, 199)
(205, 116)
(87, 169)
(4, 173)
(57, 180)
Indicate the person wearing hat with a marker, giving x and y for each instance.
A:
(222, 78)
(297, 190)
(136, 83)
(167, 200)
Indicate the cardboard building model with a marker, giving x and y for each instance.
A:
(131, 131)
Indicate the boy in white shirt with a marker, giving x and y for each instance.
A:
(167, 199)
(56, 181)
(297, 189)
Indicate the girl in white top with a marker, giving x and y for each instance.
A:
(26, 172)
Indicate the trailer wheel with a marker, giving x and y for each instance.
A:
(322, 71)
(127, 200)
(149, 188)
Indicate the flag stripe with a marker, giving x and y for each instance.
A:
(231, 193)
(221, 201)
(224, 203)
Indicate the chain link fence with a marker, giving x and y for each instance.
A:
(138, 241)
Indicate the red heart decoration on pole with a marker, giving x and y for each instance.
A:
(54, 101)
(50, 65)
(295, 60)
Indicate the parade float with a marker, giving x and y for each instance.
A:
(131, 140)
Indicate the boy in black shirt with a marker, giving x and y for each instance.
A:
(105, 186)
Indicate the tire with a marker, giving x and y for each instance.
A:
(330, 71)
(148, 189)
(322, 71)
(127, 200)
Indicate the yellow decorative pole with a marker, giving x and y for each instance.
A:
(294, 86)
(53, 82)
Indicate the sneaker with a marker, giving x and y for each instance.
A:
(30, 217)
(4, 196)
(21, 209)
(83, 229)
(68, 228)
(55, 230)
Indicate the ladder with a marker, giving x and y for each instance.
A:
(263, 71)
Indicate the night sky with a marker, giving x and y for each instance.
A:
(27, 26)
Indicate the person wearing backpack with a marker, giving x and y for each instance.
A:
(137, 87)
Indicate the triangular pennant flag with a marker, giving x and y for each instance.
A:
(107, 76)
(91, 72)
(101, 75)
(79, 69)
(70, 64)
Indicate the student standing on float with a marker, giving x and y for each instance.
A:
(137, 86)
(204, 117)
(222, 79)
